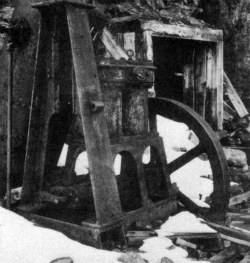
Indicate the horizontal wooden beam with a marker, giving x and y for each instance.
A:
(182, 31)
(45, 3)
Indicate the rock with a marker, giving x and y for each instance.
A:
(142, 225)
(131, 257)
(235, 190)
(245, 168)
(15, 195)
(166, 260)
(63, 260)
(235, 157)
(193, 138)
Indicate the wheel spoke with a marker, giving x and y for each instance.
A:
(209, 144)
(185, 158)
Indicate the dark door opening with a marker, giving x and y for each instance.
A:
(170, 56)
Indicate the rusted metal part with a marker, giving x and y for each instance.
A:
(208, 143)
(129, 82)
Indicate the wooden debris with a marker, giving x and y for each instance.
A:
(227, 255)
(233, 235)
(234, 216)
(229, 112)
(245, 218)
(238, 199)
(183, 243)
(135, 238)
(234, 97)
(112, 46)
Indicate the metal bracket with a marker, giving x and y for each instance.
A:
(96, 106)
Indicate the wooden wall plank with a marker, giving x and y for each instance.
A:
(200, 80)
(188, 91)
(148, 45)
(218, 95)
(129, 42)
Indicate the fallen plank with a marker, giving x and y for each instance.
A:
(234, 216)
(233, 235)
(183, 243)
(227, 255)
(238, 199)
(135, 238)
(234, 97)
(241, 226)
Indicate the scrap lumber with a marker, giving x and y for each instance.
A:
(50, 198)
(227, 255)
(238, 199)
(135, 238)
(229, 112)
(245, 218)
(233, 235)
(183, 243)
(112, 46)
(234, 97)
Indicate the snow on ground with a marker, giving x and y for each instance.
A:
(155, 248)
(188, 178)
(23, 242)
(184, 222)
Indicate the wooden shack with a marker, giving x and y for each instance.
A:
(187, 53)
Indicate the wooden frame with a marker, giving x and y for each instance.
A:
(213, 62)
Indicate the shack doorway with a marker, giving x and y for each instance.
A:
(170, 56)
(186, 72)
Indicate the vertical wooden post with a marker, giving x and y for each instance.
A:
(148, 45)
(218, 95)
(104, 186)
(200, 79)
(9, 126)
(188, 90)
(41, 110)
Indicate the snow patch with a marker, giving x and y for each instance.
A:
(23, 242)
(188, 178)
(184, 222)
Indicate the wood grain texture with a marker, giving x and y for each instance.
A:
(105, 191)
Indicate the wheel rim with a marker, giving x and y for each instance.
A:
(208, 143)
